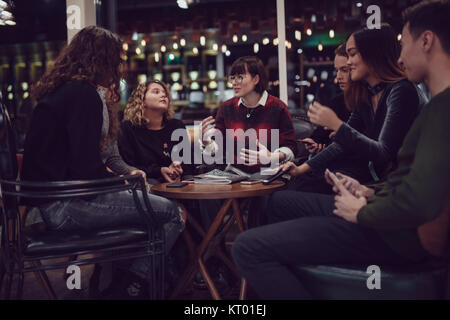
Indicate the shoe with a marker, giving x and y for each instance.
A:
(218, 278)
(128, 287)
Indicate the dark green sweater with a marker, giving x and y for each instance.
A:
(417, 191)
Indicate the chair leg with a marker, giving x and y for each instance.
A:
(8, 285)
(20, 286)
(42, 277)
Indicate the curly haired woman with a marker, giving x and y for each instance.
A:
(146, 134)
(69, 130)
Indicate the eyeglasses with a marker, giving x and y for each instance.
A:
(238, 78)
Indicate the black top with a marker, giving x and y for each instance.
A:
(377, 136)
(337, 104)
(63, 141)
(150, 150)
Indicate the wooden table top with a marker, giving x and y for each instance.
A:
(215, 191)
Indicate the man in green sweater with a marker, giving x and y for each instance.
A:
(402, 221)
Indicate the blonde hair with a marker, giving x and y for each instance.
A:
(134, 111)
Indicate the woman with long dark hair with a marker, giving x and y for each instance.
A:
(383, 103)
(71, 127)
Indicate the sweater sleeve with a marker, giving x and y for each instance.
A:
(114, 161)
(334, 150)
(402, 108)
(425, 188)
(127, 148)
(84, 125)
(321, 160)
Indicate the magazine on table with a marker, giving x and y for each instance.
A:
(231, 175)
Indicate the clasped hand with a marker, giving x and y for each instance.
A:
(173, 172)
(351, 195)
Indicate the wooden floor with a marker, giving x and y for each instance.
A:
(33, 290)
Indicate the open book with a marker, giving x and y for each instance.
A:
(230, 175)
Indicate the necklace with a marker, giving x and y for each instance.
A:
(249, 112)
(376, 88)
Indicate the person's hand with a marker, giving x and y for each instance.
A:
(290, 168)
(312, 146)
(351, 184)
(323, 116)
(262, 156)
(347, 205)
(206, 128)
(169, 174)
(176, 167)
(137, 171)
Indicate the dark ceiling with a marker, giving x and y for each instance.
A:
(37, 20)
(44, 20)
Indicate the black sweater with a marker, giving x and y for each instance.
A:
(63, 141)
(375, 136)
(149, 150)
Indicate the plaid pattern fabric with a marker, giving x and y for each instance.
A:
(273, 115)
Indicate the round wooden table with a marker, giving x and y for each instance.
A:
(233, 194)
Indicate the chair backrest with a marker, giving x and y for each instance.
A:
(8, 160)
(8, 148)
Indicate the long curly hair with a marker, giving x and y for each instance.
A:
(134, 111)
(94, 55)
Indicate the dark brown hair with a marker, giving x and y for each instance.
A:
(380, 50)
(430, 15)
(340, 51)
(254, 66)
(94, 56)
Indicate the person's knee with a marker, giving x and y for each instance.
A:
(245, 250)
(276, 210)
(166, 210)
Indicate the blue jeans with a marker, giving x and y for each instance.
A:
(110, 210)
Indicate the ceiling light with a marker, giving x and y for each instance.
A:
(256, 47)
(182, 4)
(331, 33)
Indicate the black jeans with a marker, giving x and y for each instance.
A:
(304, 231)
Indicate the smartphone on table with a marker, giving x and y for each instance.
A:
(177, 184)
(251, 181)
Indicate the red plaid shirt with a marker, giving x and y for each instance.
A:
(273, 115)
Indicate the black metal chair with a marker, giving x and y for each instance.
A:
(24, 247)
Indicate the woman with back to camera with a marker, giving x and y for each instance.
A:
(67, 134)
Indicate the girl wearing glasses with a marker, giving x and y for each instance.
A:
(252, 108)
